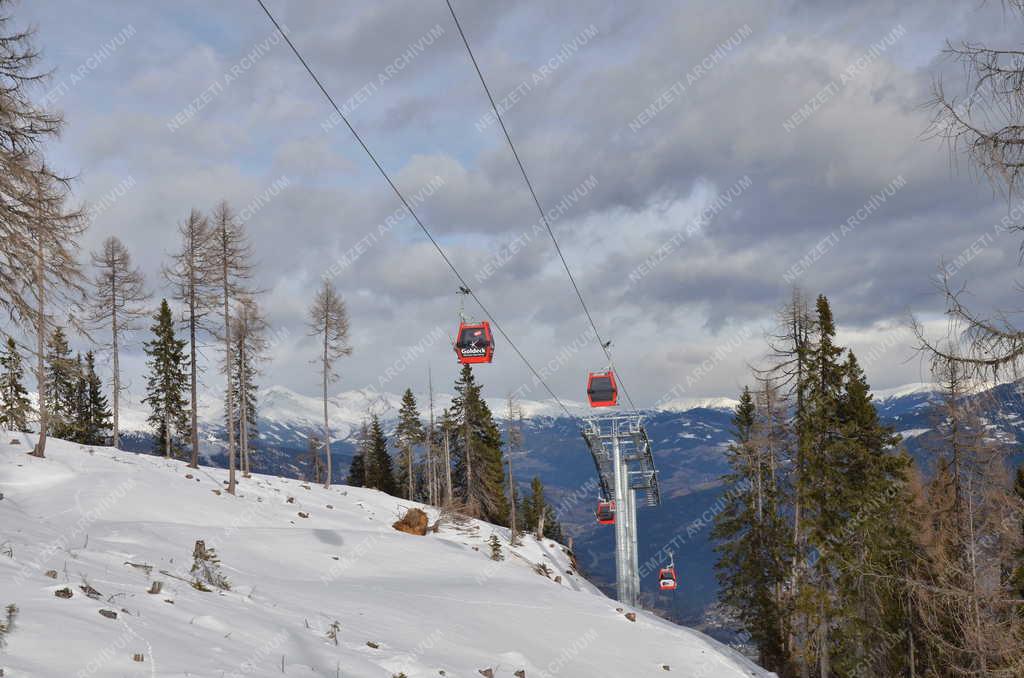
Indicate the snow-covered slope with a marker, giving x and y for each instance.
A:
(299, 559)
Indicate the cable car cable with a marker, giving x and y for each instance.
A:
(536, 201)
(405, 203)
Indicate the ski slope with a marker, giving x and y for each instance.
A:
(404, 605)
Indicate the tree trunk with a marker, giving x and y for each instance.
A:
(117, 364)
(327, 426)
(229, 364)
(194, 432)
(469, 456)
(41, 387)
(243, 412)
(167, 435)
(408, 461)
(447, 466)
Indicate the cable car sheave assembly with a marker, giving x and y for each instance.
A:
(625, 469)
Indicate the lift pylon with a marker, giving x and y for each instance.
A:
(625, 469)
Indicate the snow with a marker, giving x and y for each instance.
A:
(685, 404)
(913, 432)
(427, 604)
(916, 388)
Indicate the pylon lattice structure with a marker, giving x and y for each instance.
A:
(625, 469)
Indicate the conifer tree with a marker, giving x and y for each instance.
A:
(15, 407)
(750, 535)
(96, 418)
(538, 515)
(192, 276)
(229, 257)
(61, 382)
(378, 470)
(408, 434)
(80, 419)
(249, 345)
(477, 452)
(166, 383)
(328, 320)
(873, 550)
(357, 469)
(117, 301)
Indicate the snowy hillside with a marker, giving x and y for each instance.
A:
(320, 584)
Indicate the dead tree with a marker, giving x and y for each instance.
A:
(328, 320)
(230, 265)
(38, 232)
(54, 278)
(985, 122)
(191, 277)
(116, 301)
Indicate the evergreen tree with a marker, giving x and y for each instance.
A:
(244, 393)
(479, 470)
(538, 515)
(750, 534)
(96, 415)
(15, 407)
(377, 462)
(357, 469)
(61, 382)
(409, 434)
(80, 404)
(874, 548)
(167, 383)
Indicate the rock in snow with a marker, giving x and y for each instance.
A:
(434, 606)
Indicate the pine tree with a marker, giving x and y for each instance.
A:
(166, 383)
(536, 510)
(409, 434)
(96, 417)
(61, 382)
(874, 548)
(378, 471)
(15, 406)
(751, 537)
(79, 404)
(357, 469)
(249, 345)
(479, 468)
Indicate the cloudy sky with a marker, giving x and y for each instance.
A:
(698, 158)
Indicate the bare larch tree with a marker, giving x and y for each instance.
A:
(117, 301)
(54, 276)
(986, 122)
(38, 232)
(191, 277)
(328, 320)
(231, 267)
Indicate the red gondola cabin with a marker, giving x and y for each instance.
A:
(605, 512)
(474, 344)
(601, 389)
(667, 579)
